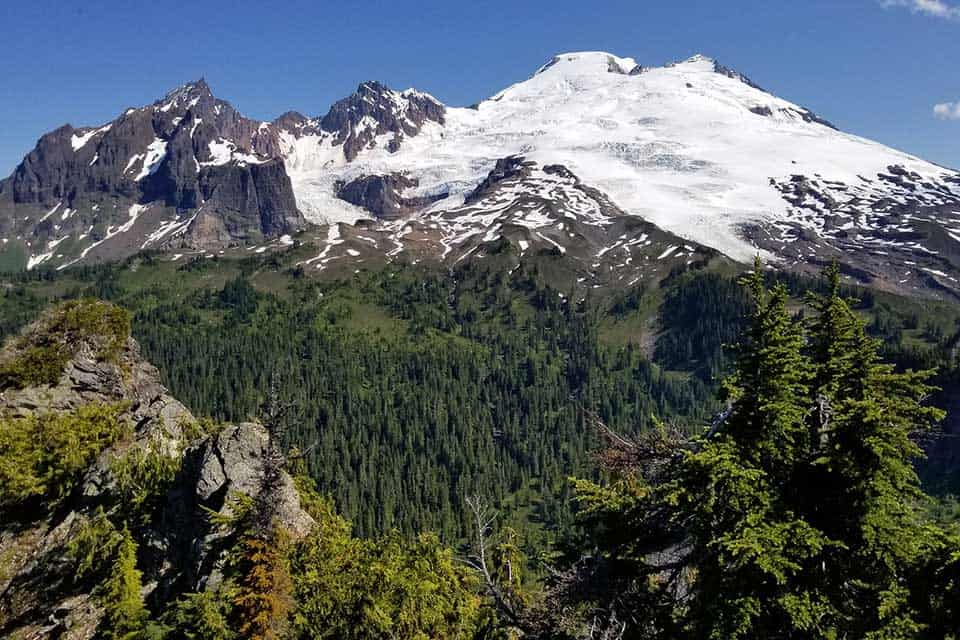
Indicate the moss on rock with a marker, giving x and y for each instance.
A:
(40, 354)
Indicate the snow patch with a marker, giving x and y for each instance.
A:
(49, 213)
(156, 152)
(78, 141)
(224, 151)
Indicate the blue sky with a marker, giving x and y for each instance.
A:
(885, 69)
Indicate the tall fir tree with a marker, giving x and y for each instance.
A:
(125, 615)
(864, 490)
(799, 514)
(747, 542)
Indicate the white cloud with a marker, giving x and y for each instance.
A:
(947, 110)
(935, 8)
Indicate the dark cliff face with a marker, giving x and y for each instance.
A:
(80, 190)
(175, 181)
(382, 196)
(54, 171)
(148, 151)
(253, 201)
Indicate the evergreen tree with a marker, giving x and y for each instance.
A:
(799, 514)
(262, 602)
(124, 612)
(865, 492)
(263, 599)
(200, 616)
(747, 541)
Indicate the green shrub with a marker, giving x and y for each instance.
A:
(143, 477)
(34, 366)
(101, 552)
(354, 589)
(200, 616)
(93, 547)
(124, 614)
(103, 322)
(44, 455)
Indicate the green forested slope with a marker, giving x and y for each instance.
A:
(412, 388)
(799, 514)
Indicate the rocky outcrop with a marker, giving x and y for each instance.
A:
(382, 195)
(735, 75)
(179, 549)
(504, 169)
(375, 110)
(214, 469)
(889, 230)
(613, 64)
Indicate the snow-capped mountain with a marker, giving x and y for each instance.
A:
(693, 150)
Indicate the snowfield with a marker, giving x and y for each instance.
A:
(685, 146)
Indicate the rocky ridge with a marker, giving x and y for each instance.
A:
(521, 210)
(188, 171)
(180, 549)
(695, 148)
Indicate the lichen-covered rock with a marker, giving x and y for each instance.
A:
(231, 462)
(215, 469)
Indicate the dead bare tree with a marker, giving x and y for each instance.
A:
(273, 416)
(719, 420)
(506, 601)
(590, 598)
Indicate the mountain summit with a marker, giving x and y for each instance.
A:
(591, 62)
(694, 148)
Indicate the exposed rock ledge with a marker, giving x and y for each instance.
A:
(182, 551)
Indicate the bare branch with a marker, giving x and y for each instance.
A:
(719, 420)
(645, 454)
(484, 517)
